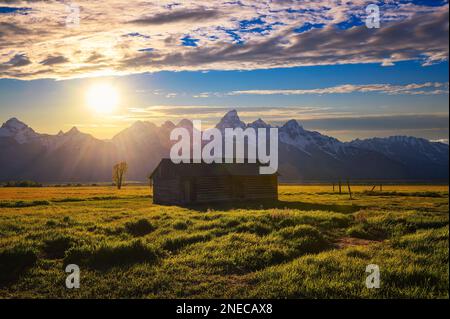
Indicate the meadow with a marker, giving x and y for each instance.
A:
(312, 243)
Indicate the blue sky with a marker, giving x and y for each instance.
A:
(316, 63)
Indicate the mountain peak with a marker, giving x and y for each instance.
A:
(14, 123)
(73, 130)
(231, 114)
(185, 123)
(168, 125)
(292, 125)
(142, 125)
(231, 120)
(17, 130)
(259, 123)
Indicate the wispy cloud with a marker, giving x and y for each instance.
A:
(227, 35)
(428, 88)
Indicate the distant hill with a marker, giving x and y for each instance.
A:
(304, 155)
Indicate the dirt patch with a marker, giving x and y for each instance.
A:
(345, 242)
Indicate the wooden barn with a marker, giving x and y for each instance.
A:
(191, 183)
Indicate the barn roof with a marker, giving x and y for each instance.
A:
(213, 169)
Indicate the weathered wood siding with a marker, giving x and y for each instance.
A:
(214, 188)
(261, 187)
(210, 189)
(170, 189)
(167, 191)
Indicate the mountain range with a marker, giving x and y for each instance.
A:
(304, 155)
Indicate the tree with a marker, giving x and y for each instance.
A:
(118, 174)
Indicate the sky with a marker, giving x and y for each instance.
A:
(314, 61)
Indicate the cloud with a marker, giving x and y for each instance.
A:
(9, 29)
(230, 35)
(17, 61)
(52, 60)
(428, 88)
(177, 16)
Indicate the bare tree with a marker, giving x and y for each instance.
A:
(118, 174)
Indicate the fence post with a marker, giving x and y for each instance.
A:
(349, 189)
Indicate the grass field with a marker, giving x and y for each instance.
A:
(313, 243)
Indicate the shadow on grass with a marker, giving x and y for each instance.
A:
(14, 262)
(407, 194)
(109, 255)
(21, 203)
(274, 204)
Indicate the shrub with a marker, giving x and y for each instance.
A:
(14, 261)
(140, 227)
(111, 255)
(22, 184)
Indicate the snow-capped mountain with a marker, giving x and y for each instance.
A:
(17, 130)
(294, 134)
(259, 124)
(231, 120)
(405, 147)
(422, 157)
(74, 156)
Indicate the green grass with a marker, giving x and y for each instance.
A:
(139, 227)
(109, 255)
(313, 243)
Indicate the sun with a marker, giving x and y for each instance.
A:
(102, 98)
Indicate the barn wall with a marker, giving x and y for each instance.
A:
(167, 191)
(170, 190)
(218, 188)
(214, 188)
(261, 187)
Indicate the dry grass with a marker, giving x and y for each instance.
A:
(55, 193)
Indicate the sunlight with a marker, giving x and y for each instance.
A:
(102, 98)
